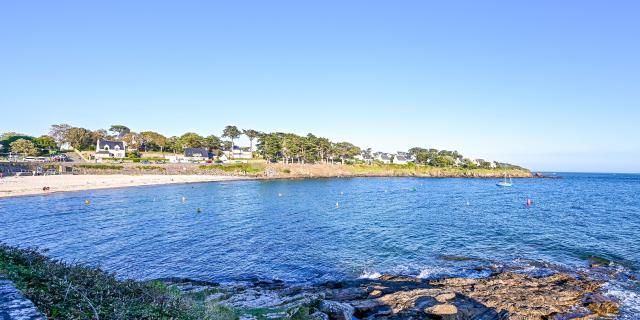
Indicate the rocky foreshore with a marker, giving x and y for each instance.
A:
(504, 295)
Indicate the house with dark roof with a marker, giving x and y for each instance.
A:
(383, 157)
(196, 154)
(401, 159)
(110, 149)
(365, 157)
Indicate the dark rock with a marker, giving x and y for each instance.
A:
(425, 302)
(318, 316)
(336, 310)
(366, 308)
(347, 294)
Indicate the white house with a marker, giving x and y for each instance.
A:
(238, 153)
(401, 159)
(383, 157)
(110, 149)
(364, 156)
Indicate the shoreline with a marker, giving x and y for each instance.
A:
(22, 186)
(134, 175)
(17, 186)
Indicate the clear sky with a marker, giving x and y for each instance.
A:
(550, 85)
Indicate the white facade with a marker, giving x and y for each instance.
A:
(110, 149)
(238, 153)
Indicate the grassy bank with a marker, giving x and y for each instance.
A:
(429, 171)
(392, 170)
(71, 291)
(245, 168)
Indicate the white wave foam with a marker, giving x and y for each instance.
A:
(630, 300)
(370, 275)
(431, 272)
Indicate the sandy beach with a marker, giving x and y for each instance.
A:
(33, 185)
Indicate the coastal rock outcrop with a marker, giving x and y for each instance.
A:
(503, 295)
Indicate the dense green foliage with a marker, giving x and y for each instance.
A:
(120, 130)
(289, 147)
(231, 132)
(72, 291)
(24, 147)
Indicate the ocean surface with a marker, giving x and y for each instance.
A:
(306, 231)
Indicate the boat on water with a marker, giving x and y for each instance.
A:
(504, 182)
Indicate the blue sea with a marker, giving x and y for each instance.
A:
(309, 231)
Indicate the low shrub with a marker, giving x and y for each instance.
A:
(100, 166)
(63, 290)
(72, 291)
(152, 168)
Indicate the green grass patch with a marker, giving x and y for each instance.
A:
(412, 169)
(100, 166)
(236, 167)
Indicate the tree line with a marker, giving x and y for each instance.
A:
(274, 146)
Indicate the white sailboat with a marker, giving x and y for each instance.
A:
(504, 182)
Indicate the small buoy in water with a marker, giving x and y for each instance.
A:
(337, 205)
(279, 194)
(529, 202)
(341, 193)
(413, 189)
(198, 210)
(184, 199)
(467, 202)
(87, 202)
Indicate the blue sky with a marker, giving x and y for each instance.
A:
(550, 85)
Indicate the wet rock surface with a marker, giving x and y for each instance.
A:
(503, 295)
(13, 305)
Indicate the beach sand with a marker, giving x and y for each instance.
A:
(33, 185)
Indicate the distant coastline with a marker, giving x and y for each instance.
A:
(81, 177)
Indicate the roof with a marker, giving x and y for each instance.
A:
(102, 152)
(401, 158)
(111, 144)
(385, 157)
(196, 152)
